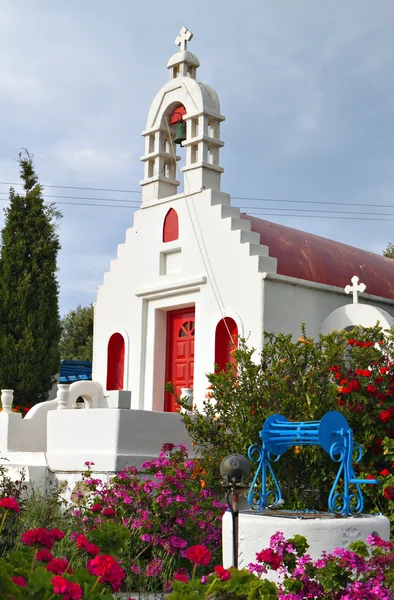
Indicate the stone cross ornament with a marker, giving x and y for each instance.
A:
(184, 36)
(355, 288)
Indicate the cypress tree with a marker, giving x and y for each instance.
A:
(29, 307)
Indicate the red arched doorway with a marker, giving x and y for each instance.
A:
(224, 344)
(180, 353)
(115, 362)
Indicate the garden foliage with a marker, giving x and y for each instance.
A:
(76, 340)
(352, 372)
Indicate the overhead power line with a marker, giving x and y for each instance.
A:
(249, 198)
(136, 202)
(74, 187)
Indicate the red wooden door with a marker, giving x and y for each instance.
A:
(180, 353)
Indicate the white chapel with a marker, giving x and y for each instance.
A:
(194, 272)
(192, 275)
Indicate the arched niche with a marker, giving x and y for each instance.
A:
(115, 362)
(351, 315)
(171, 226)
(226, 337)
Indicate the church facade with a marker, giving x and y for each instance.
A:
(194, 272)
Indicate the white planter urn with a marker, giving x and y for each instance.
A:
(7, 399)
(63, 396)
(187, 394)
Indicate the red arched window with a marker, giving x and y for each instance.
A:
(171, 226)
(224, 344)
(115, 362)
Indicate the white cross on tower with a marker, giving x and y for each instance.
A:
(355, 288)
(184, 36)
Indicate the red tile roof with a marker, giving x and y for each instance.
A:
(314, 258)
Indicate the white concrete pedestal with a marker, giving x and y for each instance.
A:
(324, 533)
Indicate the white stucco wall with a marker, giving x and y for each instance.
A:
(290, 302)
(136, 294)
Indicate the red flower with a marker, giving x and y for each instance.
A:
(383, 370)
(18, 580)
(363, 372)
(372, 390)
(81, 541)
(44, 555)
(57, 566)
(222, 573)
(96, 508)
(199, 555)
(10, 504)
(180, 577)
(73, 592)
(56, 533)
(389, 492)
(59, 584)
(92, 549)
(108, 570)
(70, 590)
(39, 537)
(341, 402)
(108, 512)
(270, 557)
(351, 341)
(385, 416)
(335, 369)
(385, 472)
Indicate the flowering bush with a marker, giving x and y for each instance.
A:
(33, 571)
(163, 506)
(348, 371)
(360, 573)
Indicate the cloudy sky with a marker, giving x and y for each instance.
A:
(306, 86)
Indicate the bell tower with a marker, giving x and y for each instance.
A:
(184, 112)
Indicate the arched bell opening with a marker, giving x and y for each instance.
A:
(174, 132)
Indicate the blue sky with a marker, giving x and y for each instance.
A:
(306, 87)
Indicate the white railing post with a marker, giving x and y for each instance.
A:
(7, 399)
(63, 396)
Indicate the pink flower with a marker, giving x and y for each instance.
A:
(10, 504)
(18, 580)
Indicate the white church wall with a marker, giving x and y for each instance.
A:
(111, 438)
(136, 294)
(290, 302)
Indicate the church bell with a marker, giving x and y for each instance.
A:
(180, 132)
